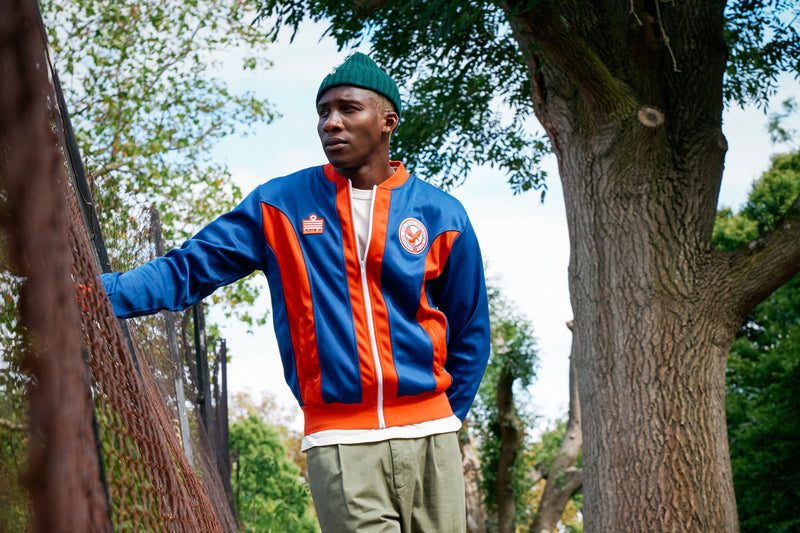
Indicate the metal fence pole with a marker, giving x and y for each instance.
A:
(203, 382)
(174, 353)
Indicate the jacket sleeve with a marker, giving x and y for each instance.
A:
(462, 298)
(229, 248)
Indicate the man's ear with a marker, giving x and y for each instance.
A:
(390, 121)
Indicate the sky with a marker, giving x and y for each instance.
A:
(523, 240)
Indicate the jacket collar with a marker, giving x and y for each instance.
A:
(397, 179)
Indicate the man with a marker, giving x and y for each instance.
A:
(379, 307)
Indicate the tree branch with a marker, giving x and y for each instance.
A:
(563, 479)
(470, 462)
(573, 437)
(367, 7)
(556, 495)
(110, 167)
(13, 426)
(535, 476)
(759, 268)
(571, 54)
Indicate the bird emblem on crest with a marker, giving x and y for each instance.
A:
(413, 235)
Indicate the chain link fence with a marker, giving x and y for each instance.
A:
(99, 423)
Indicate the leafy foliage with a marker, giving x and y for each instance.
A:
(763, 375)
(768, 200)
(779, 132)
(763, 409)
(513, 341)
(15, 511)
(242, 405)
(467, 91)
(268, 491)
(146, 105)
(763, 38)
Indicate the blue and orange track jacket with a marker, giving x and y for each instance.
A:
(401, 338)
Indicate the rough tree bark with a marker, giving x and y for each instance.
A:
(636, 125)
(563, 478)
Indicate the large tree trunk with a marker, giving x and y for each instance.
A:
(640, 151)
(651, 341)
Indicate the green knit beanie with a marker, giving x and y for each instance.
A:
(361, 71)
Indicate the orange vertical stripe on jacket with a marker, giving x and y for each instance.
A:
(380, 314)
(432, 320)
(282, 238)
(357, 304)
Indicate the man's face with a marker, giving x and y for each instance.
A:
(354, 133)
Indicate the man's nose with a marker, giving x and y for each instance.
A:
(333, 122)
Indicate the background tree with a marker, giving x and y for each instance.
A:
(763, 379)
(555, 492)
(268, 491)
(242, 405)
(630, 95)
(475, 502)
(15, 512)
(501, 424)
(557, 473)
(527, 484)
(142, 83)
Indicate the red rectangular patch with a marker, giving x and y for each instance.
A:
(313, 225)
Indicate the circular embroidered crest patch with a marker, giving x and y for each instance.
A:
(413, 235)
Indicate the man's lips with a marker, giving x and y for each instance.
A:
(334, 144)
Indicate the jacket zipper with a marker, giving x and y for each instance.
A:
(367, 301)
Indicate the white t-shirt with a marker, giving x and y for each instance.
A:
(362, 208)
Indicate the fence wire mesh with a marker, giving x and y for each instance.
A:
(99, 433)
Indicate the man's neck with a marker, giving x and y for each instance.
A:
(367, 178)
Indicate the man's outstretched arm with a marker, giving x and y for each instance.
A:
(229, 248)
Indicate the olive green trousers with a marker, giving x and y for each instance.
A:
(393, 486)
